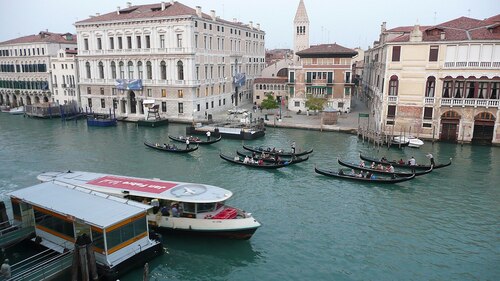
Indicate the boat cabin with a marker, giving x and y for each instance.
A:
(60, 214)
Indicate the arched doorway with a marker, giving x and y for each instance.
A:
(449, 126)
(45, 99)
(484, 123)
(37, 99)
(133, 103)
(28, 100)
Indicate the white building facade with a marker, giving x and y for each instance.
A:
(65, 77)
(188, 62)
(25, 67)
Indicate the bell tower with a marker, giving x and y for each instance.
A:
(300, 30)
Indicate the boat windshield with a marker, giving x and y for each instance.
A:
(206, 207)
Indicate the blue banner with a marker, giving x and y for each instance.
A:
(129, 84)
(239, 79)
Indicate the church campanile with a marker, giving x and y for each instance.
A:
(300, 29)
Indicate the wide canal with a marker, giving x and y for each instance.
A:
(441, 226)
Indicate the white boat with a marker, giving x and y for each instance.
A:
(412, 141)
(62, 216)
(17, 110)
(202, 208)
(4, 108)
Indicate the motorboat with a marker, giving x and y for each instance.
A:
(178, 207)
(17, 110)
(412, 141)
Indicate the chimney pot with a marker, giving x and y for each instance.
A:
(129, 4)
(235, 20)
(163, 6)
(198, 11)
(212, 14)
(251, 24)
(117, 10)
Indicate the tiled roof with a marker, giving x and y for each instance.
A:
(271, 80)
(459, 29)
(152, 11)
(43, 37)
(327, 49)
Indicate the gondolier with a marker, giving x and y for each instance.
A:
(187, 143)
(208, 135)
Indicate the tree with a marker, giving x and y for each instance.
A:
(270, 102)
(313, 103)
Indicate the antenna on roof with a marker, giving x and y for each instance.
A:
(468, 12)
(435, 13)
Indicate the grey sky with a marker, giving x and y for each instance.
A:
(348, 23)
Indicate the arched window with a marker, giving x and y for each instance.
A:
(393, 86)
(121, 65)
(163, 70)
(430, 87)
(87, 67)
(101, 70)
(149, 70)
(113, 70)
(139, 69)
(180, 70)
(446, 89)
(130, 70)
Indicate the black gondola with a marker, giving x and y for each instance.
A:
(343, 175)
(194, 140)
(169, 148)
(260, 149)
(272, 159)
(384, 172)
(264, 165)
(405, 165)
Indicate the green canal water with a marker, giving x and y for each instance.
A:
(442, 226)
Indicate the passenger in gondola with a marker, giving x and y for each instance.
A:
(368, 175)
(236, 158)
(390, 169)
(165, 145)
(372, 166)
(401, 161)
(261, 162)
(360, 175)
(380, 167)
(353, 173)
(246, 160)
(383, 159)
(341, 172)
(362, 164)
(373, 176)
(273, 150)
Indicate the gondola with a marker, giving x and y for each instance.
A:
(399, 174)
(170, 149)
(272, 160)
(265, 165)
(344, 175)
(260, 149)
(194, 140)
(405, 165)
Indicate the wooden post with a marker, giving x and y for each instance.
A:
(74, 266)
(433, 133)
(145, 276)
(92, 263)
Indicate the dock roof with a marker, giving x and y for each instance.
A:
(94, 208)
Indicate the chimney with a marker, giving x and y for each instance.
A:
(163, 6)
(235, 20)
(129, 4)
(171, 2)
(212, 14)
(382, 27)
(97, 14)
(416, 34)
(258, 26)
(198, 11)
(118, 10)
(443, 35)
(251, 24)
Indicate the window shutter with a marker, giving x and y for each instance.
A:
(396, 53)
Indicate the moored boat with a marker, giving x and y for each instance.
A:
(5, 108)
(101, 121)
(274, 151)
(411, 141)
(170, 148)
(17, 110)
(258, 164)
(345, 175)
(384, 171)
(194, 140)
(272, 159)
(404, 164)
(199, 208)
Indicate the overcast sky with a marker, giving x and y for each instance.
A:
(348, 23)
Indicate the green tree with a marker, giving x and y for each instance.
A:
(313, 103)
(270, 102)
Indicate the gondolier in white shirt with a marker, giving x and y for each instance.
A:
(431, 157)
(187, 143)
(208, 135)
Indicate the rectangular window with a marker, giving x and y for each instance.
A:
(212, 104)
(163, 106)
(129, 42)
(86, 44)
(391, 111)
(89, 102)
(162, 41)
(179, 40)
(148, 42)
(54, 223)
(103, 103)
(102, 91)
(89, 91)
(111, 43)
(198, 107)
(150, 94)
(180, 94)
(206, 105)
(396, 53)
(99, 44)
(180, 107)
(163, 93)
(428, 113)
(120, 43)
(138, 42)
(433, 53)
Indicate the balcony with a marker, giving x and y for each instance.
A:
(63, 85)
(451, 102)
(473, 64)
(392, 99)
(429, 100)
